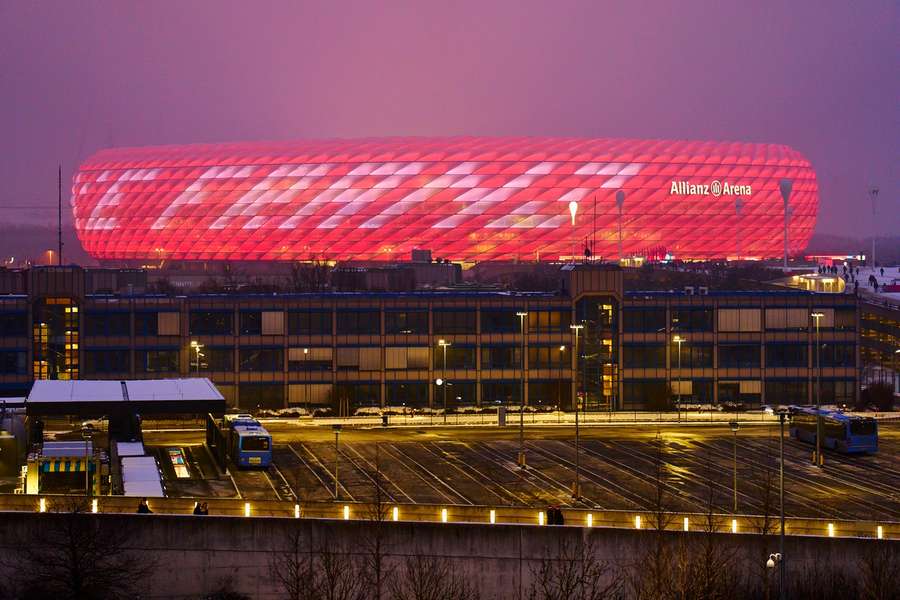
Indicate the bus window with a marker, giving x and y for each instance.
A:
(835, 429)
(256, 443)
(862, 427)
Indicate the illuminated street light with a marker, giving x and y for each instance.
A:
(785, 186)
(522, 315)
(337, 455)
(573, 210)
(734, 425)
(443, 344)
(679, 340)
(197, 347)
(576, 491)
(818, 455)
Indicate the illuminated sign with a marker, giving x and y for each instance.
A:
(714, 188)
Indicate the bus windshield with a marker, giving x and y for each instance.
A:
(862, 427)
(255, 443)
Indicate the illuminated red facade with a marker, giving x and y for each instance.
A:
(467, 198)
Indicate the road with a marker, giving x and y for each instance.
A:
(679, 467)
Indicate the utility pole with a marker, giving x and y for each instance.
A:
(337, 456)
(620, 202)
(781, 416)
(522, 315)
(818, 315)
(59, 214)
(734, 429)
(443, 344)
(785, 186)
(576, 491)
(873, 193)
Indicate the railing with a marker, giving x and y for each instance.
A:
(432, 513)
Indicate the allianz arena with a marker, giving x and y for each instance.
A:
(466, 198)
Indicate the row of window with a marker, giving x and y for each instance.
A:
(699, 356)
(660, 395)
(642, 319)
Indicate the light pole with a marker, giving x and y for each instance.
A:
(337, 435)
(679, 340)
(196, 347)
(818, 457)
(785, 186)
(734, 429)
(738, 205)
(573, 210)
(576, 492)
(896, 375)
(522, 315)
(781, 417)
(620, 202)
(443, 344)
(873, 192)
(86, 435)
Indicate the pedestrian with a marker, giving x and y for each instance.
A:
(198, 508)
(551, 517)
(204, 508)
(560, 520)
(143, 507)
(856, 287)
(882, 271)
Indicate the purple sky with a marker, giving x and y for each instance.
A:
(818, 75)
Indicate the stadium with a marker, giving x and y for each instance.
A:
(467, 199)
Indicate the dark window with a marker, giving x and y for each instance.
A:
(786, 355)
(739, 356)
(403, 321)
(211, 322)
(837, 391)
(548, 357)
(549, 321)
(454, 321)
(501, 392)
(645, 320)
(12, 362)
(107, 361)
(501, 357)
(156, 361)
(647, 356)
(459, 393)
(786, 391)
(646, 395)
(217, 359)
(499, 321)
(845, 319)
(692, 319)
(862, 427)
(261, 395)
(356, 395)
(251, 322)
(693, 356)
(309, 322)
(256, 443)
(550, 393)
(406, 393)
(701, 392)
(261, 359)
(13, 324)
(359, 322)
(458, 357)
(146, 323)
(836, 355)
(107, 323)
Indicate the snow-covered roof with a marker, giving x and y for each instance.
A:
(140, 476)
(130, 449)
(142, 390)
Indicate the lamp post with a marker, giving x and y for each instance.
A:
(873, 193)
(443, 344)
(785, 186)
(895, 377)
(576, 492)
(738, 205)
(679, 340)
(818, 456)
(522, 315)
(337, 455)
(196, 347)
(620, 202)
(86, 435)
(734, 429)
(782, 414)
(573, 210)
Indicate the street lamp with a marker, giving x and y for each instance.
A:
(818, 456)
(573, 210)
(679, 340)
(196, 347)
(782, 414)
(86, 435)
(337, 434)
(576, 492)
(734, 429)
(895, 377)
(522, 315)
(620, 202)
(443, 344)
(785, 186)
(738, 205)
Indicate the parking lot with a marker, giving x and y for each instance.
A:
(629, 468)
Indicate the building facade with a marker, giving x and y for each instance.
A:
(467, 199)
(344, 351)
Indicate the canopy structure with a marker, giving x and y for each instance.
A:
(93, 398)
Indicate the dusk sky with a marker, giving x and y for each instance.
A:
(819, 76)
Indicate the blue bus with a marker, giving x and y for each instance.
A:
(241, 438)
(840, 432)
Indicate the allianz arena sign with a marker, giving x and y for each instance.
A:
(714, 188)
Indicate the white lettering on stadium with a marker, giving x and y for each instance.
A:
(714, 188)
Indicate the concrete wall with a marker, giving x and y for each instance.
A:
(196, 553)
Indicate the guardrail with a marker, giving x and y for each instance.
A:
(434, 513)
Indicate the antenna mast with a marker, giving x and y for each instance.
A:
(59, 213)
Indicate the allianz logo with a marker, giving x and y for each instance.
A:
(713, 188)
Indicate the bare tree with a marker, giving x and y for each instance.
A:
(573, 572)
(429, 578)
(77, 554)
(376, 570)
(879, 569)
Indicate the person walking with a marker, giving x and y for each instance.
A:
(143, 507)
(198, 508)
